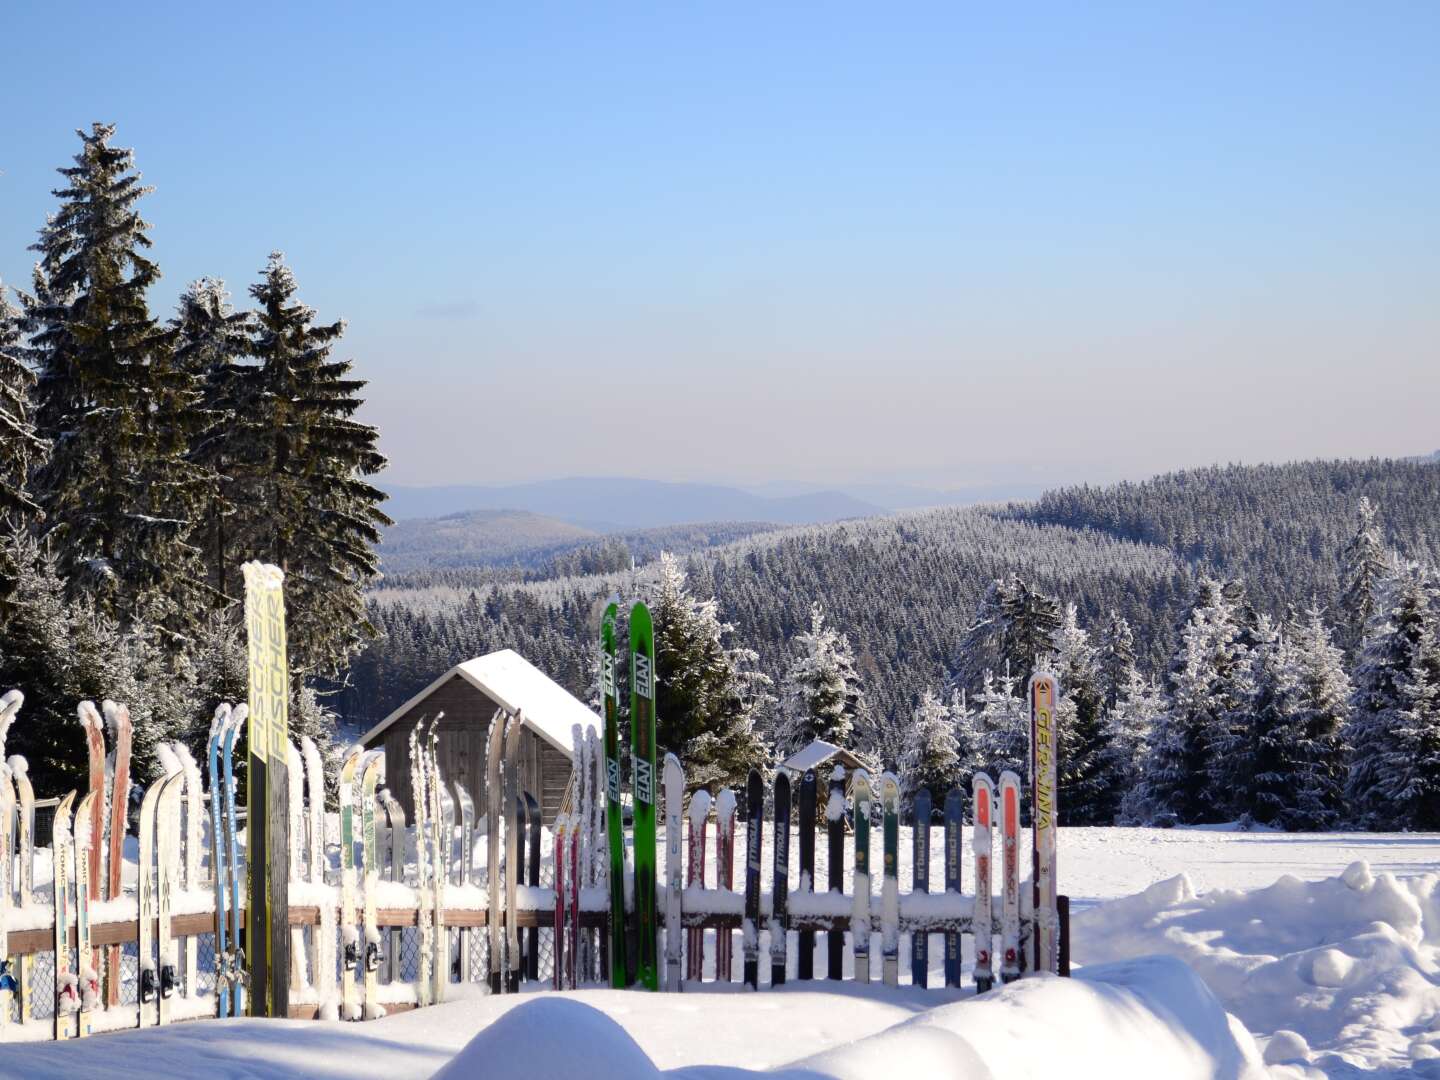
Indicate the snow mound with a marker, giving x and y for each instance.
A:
(1338, 973)
(551, 1038)
(1151, 1017)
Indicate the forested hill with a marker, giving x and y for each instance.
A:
(1280, 527)
(905, 587)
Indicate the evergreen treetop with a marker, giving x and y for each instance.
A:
(117, 494)
(932, 758)
(822, 694)
(311, 512)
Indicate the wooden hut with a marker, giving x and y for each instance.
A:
(821, 756)
(469, 694)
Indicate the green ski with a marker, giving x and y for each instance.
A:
(642, 773)
(614, 812)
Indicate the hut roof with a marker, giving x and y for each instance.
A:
(817, 754)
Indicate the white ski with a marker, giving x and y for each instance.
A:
(194, 812)
(440, 964)
(467, 855)
(167, 848)
(673, 782)
(25, 846)
(422, 869)
(349, 935)
(494, 796)
(370, 958)
(513, 869)
(860, 908)
(67, 998)
(88, 977)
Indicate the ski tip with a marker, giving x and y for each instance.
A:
(837, 773)
(239, 714)
(10, 702)
(18, 765)
(88, 714)
(168, 761)
(218, 721)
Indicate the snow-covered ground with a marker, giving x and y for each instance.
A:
(1336, 971)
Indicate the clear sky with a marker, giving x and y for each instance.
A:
(779, 242)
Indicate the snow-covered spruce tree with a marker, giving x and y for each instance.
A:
(1363, 565)
(1131, 725)
(1014, 625)
(60, 652)
(1004, 726)
(119, 496)
(1086, 795)
(821, 693)
(304, 504)
(969, 744)
(932, 759)
(704, 701)
(1394, 730)
(1320, 703)
(20, 447)
(1275, 749)
(1185, 774)
(211, 340)
(1114, 659)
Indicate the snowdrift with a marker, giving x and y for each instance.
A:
(1340, 974)
(1150, 1017)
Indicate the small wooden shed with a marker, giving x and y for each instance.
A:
(469, 694)
(820, 754)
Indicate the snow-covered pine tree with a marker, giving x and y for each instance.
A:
(1394, 731)
(821, 696)
(211, 340)
(1086, 797)
(1320, 703)
(1276, 750)
(1114, 659)
(1131, 724)
(62, 651)
(704, 702)
(1185, 774)
(1004, 725)
(1363, 565)
(968, 740)
(118, 494)
(20, 447)
(306, 506)
(932, 759)
(1014, 625)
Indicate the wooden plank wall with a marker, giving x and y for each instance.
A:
(464, 730)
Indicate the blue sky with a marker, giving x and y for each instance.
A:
(943, 243)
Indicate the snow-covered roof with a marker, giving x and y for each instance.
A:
(518, 686)
(816, 754)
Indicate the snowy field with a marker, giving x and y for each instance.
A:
(1335, 971)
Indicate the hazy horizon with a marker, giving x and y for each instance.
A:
(828, 246)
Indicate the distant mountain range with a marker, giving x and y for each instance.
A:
(612, 504)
